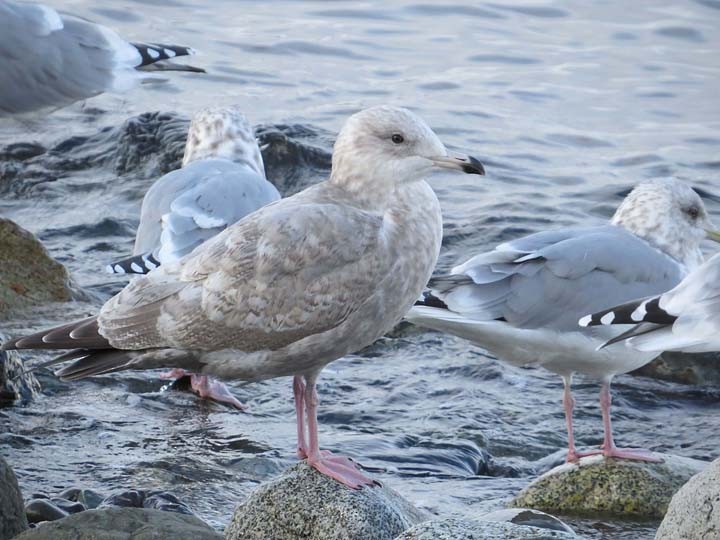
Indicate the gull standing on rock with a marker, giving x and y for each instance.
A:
(293, 286)
(48, 59)
(522, 301)
(221, 181)
(686, 318)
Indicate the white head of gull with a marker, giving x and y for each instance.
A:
(222, 181)
(522, 300)
(291, 287)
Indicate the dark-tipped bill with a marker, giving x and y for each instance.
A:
(459, 162)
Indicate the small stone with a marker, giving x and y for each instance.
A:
(609, 487)
(302, 503)
(43, 510)
(91, 499)
(70, 507)
(145, 498)
(528, 517)
(694, 511)
(12, 513)
(123, 524)
(466, 529)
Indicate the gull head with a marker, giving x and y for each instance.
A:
(382, 147)
(669, 215)
(223, 132)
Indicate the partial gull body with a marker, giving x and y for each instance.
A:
(48, 59)
(291, 287)
(222, 180)
(686, 318)
(521, 301)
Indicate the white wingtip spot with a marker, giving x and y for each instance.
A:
(119, 269)
(639, 313)
(109, 269)
(136, 267)
(148, 263)
(585, 321)
(153, 53)
(608, 318)
(169, 53)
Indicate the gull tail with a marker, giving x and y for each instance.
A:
(137, 264)
(156, 56)
(644, 310)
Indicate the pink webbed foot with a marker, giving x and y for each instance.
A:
(574, 456)
(341, 469)
(635, 454)
(175, 373)
(208, 388)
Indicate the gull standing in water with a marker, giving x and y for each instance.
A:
(522, 300)
(686, 318)
(293, 286)
(221, 181)
(48, 59)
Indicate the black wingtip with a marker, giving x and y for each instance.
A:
(646, 310)
(137, 264)
(430, 300)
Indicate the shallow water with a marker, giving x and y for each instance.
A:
(568, 105)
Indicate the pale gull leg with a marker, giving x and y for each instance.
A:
(205, 387)
(569, 406)
(299, 393)
(337, 467)
(608, 448)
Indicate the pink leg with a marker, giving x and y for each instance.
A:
(175, 373)
(299, 393)
(337, 467)
(209, 388)
(569, 406)
(608, 448)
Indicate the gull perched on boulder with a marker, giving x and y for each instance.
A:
(522, 300)
(221, 181)
(293, 286)
(48, 59)
(686, 318)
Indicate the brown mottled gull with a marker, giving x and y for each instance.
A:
(291, 287)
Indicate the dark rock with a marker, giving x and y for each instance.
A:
(16, 383)
(529, 518)
(12, 512)
(302, 503)
(466, 529)
(151, 499)
(610, 487)
(21, 151)
(123, 524)
(43, 510)
(68, 506)
(28, 274)
(686, 368)
(694, 511)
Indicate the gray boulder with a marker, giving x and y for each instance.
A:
(28, 274)
(303, 503)
(123, 524)
(685, 368)
(466, 529)
(610, 487)
(15, 382)
(12, 511)
(694, 512)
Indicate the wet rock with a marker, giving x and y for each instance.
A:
(68, 506)
(302, 503)
(466, 529)
(28, 274)
(694, 511)
(123, 524)
(151, 499)
(528, 517)
(614, 488)
(153, 142)
(87, 497)
(38, 510)
(15, 382)
(12, 512)
(295, 156)
(685, 368)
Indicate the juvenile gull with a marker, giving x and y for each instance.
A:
(222, 180)
(48, 59)
(686, 318)
(293, 286)
(522, 300)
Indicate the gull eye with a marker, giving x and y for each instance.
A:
(693, 212)
(397, 138)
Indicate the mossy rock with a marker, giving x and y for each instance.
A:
(28, 274)
(597, 487)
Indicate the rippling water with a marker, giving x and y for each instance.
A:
(567, 103)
